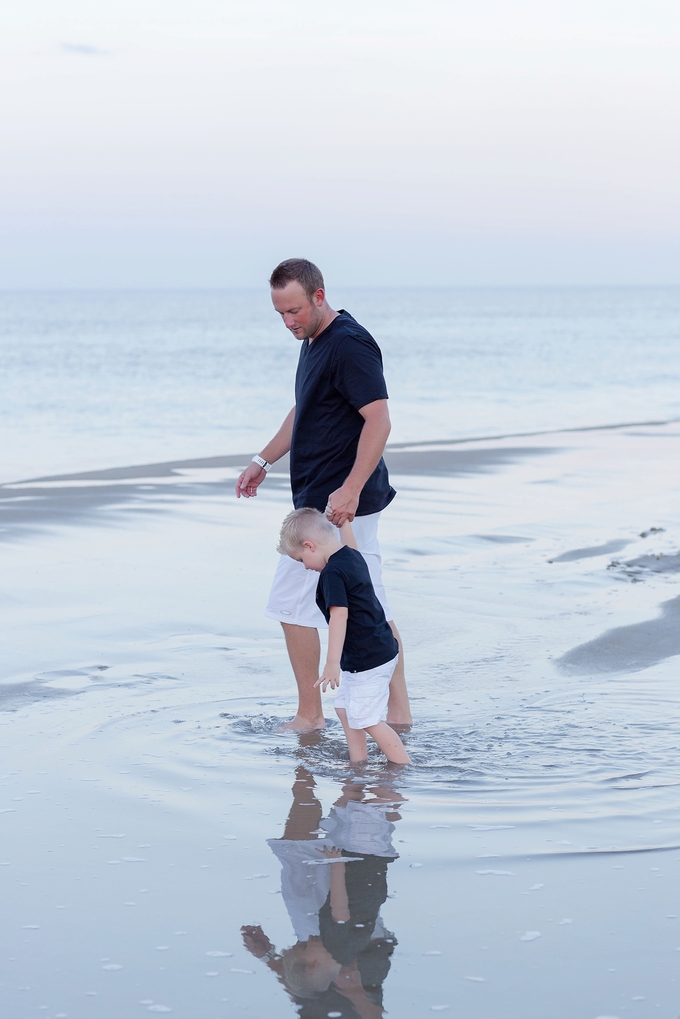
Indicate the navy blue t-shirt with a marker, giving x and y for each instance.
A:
(346, 582)
(338, 373)
(366, 887)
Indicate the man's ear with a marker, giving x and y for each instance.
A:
(319, 297)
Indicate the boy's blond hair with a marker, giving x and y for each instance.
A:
(301, 525)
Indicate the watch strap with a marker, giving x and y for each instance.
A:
(264, 464)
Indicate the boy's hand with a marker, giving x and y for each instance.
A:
(330, 852)
(329, 677)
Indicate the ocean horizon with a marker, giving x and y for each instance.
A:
(95, 379)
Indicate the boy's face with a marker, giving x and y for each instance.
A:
(311, 556)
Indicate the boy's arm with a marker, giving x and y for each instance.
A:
(337, 628)
(339, 898)
(347, 535)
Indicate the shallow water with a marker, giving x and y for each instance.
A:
(129, 891)
(532, 851)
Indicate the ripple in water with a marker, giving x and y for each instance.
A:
(567, 772)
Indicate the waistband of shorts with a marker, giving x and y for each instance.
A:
(356, 672)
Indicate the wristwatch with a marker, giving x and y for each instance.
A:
(264, 464)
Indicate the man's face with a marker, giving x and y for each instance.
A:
(302, 316)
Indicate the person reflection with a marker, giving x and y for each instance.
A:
(333, 883)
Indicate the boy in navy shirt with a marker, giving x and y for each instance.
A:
(360, 641)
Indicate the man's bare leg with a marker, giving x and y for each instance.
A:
(398, 707)
(305, 813)
(304, 651)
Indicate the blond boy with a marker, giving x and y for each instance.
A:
(361, 645)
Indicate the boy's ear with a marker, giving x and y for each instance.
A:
(309, 544)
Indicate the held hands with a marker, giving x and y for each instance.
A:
(329, 677)
(249, 481)
(342, 505)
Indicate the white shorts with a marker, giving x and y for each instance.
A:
(304, 888)
(292, 598)
(364, 695)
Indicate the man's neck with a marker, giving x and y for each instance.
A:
(328, 316)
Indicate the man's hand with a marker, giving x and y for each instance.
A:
(252, 477)
(329, 677)
(256, 941)
(342, 505)
(249, 481)
(344, 501)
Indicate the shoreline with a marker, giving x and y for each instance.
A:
(139, 670)
(166, 467)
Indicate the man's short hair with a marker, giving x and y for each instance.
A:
(297, 270)
(302, 525)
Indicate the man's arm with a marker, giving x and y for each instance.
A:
(252, 477)
(343, 501)
(259, 945)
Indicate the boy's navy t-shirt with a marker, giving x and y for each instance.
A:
(345, 581)
(338, 373)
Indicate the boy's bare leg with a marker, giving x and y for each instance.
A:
(398, 708)
(304, 651)
(389, 743)
(356, 739)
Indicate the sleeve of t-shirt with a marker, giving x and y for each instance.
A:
(334, 590)
(358, 372)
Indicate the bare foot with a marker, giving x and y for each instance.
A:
(300, 724)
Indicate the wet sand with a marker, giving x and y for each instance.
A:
(531, 855)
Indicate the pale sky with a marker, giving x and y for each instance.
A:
(176, 143)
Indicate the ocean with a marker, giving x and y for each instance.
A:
(163, 847)
(101, 379)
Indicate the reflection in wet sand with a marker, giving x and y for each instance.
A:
(333, 883)
(142, 791)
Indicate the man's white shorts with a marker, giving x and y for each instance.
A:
(292, 598)
(364, 695)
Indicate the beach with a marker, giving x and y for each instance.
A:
(535, 842)
(465, 261)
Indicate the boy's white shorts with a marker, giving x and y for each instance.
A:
(364, 695)
(292, 598)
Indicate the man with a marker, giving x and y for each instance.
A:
(336, 434)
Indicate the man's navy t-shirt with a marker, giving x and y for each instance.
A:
(346, 582)
(338, 373)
